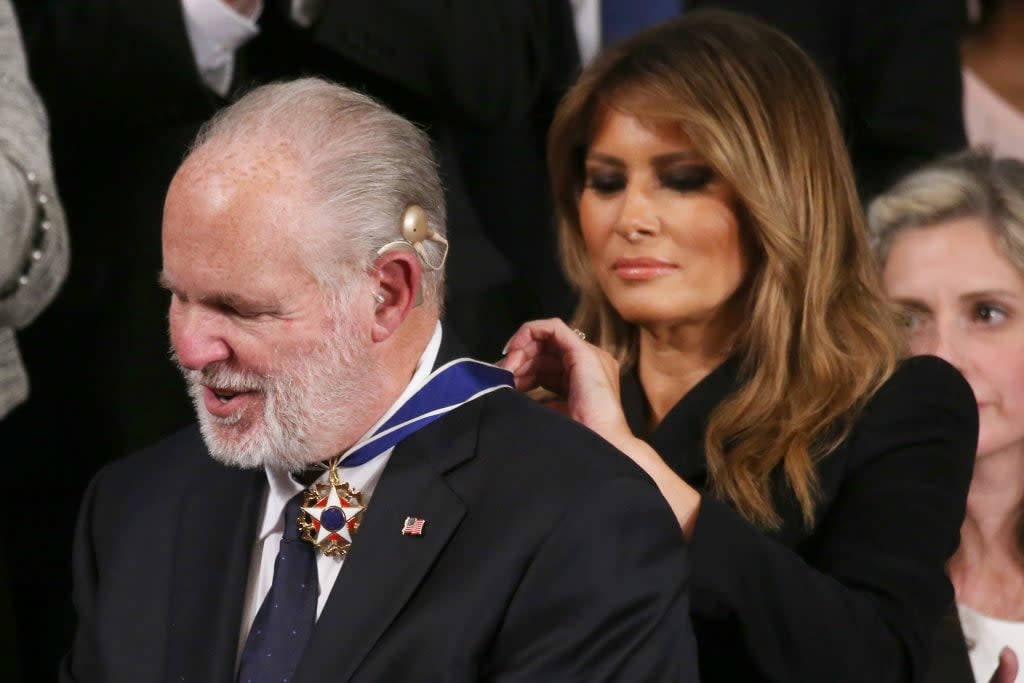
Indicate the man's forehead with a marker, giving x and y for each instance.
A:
(243, 187)
(233, 203)
(270, 162)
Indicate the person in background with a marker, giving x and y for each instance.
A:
(33, 258)
(993, 75)
(740, 348)
(950, 238)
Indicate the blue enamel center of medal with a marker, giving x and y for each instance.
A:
(332, 518)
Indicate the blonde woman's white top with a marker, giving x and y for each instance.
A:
(986, 637)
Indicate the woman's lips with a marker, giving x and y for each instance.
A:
(641, 268)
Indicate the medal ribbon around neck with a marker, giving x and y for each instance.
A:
(333, 512)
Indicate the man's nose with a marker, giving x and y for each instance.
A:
(197, 336)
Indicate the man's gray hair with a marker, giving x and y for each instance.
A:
(366, 164)
(970, 184)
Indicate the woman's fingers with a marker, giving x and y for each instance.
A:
(550, 354)
(549, 333)
(543, 345)
(1006, 672)
(542, 371)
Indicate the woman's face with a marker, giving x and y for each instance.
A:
(659, 225)
(964, 302)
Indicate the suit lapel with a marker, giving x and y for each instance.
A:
(214, 544)
(680, 436)
(384, 566)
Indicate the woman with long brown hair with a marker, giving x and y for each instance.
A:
(711, 224)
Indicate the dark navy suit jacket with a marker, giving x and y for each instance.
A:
(546, 556)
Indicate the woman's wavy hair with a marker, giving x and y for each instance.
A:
(968, 184)
(818, 338)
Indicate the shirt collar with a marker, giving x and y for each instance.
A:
(281, 485)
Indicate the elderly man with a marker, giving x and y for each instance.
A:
(375, 508)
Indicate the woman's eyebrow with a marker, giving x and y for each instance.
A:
(604, 159)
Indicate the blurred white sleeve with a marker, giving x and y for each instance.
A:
(215, 32)
(305, 12)
(586, 15)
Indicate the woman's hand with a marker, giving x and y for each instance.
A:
(1006, 672)
(548, 354)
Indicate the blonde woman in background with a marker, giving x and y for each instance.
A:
(951, 241)
(709, 219)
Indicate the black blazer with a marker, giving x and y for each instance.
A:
(546, 556)
(857, 597)
(949, 661)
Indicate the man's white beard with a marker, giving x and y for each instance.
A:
(324, 389)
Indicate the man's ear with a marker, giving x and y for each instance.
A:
(396, 290)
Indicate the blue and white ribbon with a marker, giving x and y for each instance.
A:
(448, 387)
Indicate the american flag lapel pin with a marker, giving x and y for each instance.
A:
(413, 526)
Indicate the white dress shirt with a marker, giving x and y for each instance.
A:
(991, 121)
(216, 31)
(282, 487)
(586, 16)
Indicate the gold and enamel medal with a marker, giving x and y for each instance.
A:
(331, 515)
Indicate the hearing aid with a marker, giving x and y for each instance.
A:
(415, 231)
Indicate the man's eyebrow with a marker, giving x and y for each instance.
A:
(237, 302)
(221, 299)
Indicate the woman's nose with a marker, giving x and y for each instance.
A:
(638, 217)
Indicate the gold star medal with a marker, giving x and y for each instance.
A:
(331, 515)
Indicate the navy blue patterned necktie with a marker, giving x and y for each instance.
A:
(286, 618)
(622, 18)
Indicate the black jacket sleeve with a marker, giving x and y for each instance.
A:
(482, 62)
(115, 62)
(639, 630)
(861, 601)
(901, 84)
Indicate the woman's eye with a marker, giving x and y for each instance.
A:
(989, 314)
(912, 320)
(605, 183)
(688, 179)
